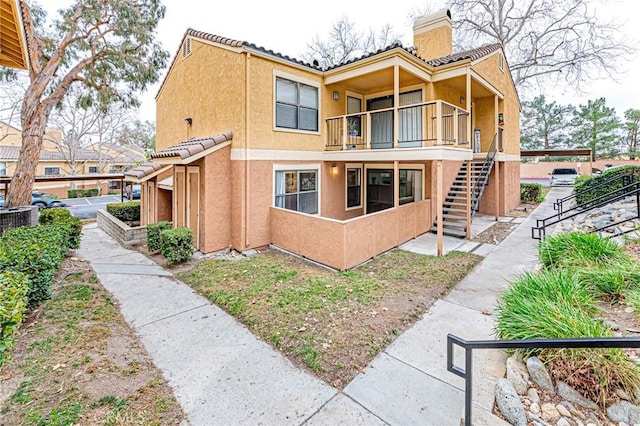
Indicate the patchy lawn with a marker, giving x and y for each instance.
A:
(329, 322)
(77, 362)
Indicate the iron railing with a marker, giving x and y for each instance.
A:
(560, 203)
(480, 183)
(539, 231)
(469, 345)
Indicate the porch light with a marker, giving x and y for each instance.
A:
(188, 120)
(462, 99)
(334, 170)
(500, 119)
(336, 95)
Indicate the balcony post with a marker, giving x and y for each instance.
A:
(469, 199)
(345, 133)
(368, 130)
(396, 184)
(439, 209)
(438, 122)
(455, 125)
(396, 104)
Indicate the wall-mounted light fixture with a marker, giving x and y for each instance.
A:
(334, 169)
(500, 119)
(188, 120)
(336, 95)
(462, 99)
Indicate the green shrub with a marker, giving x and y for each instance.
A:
(81, 193)
(531, 192)
(13, 304)
(615, 279)
(65, 218)
(126, 212)
(36, 252)
(176, 245)
(579, 250)
(588, 189)
(153, 234)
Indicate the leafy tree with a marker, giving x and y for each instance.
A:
(109, 47)
(631, 125)
(596, 126)
(545, 40)
(139, 133)
(544, 124)
(344, 43)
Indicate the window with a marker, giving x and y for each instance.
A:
(48, 171)
(297, 190)
(296, 105)
(410, 186)
(3, 168)
(93, 169)
(354, 106)
(354, 187)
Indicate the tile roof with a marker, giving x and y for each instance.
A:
(471, 54)
(144, 170)
(11, 152)
(192, 147)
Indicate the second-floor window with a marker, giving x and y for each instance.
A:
(48, 171)
(296, 105)
(93, 169)
(3, 168)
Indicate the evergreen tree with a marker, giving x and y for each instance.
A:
(596, 126)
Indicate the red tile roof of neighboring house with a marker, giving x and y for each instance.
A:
(144, 170)
(11, 152)
(193, 147)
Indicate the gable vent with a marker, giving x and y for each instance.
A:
(186, 47)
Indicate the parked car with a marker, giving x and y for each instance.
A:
(563, 176)
(41, 199)
(133, 194)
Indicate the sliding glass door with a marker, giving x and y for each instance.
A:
(410, 121)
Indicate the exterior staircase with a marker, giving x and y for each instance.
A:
(454, 208)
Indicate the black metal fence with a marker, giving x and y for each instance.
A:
(470, 345)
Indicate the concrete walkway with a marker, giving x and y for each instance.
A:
(223, 375)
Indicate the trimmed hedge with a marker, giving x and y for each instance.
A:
(590, 184)
(126, 212)
(153, 234)
(176, 245)
(81, 193)
(36, 252)
(65, 218)
(13, 303)
(531, 192)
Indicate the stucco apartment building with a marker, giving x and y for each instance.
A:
(336, 164)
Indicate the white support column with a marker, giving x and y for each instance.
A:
(438, 122)
(468, 199)
(345, 133)
(396, 183)
(468, 108)
(439, 200)
(368, 130)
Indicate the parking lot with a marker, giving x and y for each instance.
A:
(87, 208)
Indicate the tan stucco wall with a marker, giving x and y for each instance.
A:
(508, 193)
(485, 121)
(215, 201)
(208, 87)
(434, 43)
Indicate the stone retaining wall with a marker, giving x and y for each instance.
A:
(120, 231)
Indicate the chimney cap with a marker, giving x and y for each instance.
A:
(432, 19)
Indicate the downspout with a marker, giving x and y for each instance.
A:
(247, 173)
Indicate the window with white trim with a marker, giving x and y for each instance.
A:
(93, 169)
(297, 190)
(48, 171)
(296, 105)
(354, 187)
(3, 168)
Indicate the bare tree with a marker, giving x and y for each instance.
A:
(11, 95)
(545, 40)
(345, 42)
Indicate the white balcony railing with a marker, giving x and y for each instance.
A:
(425, 124)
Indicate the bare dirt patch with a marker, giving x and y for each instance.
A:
(78, 362)
(328, 322)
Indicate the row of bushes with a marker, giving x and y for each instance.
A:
(29, 259)
(81, 193)
(531, 193)
(126, 212)
(559, 301)
(176, 245)
(589, 188)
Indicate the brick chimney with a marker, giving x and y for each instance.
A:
(432, 35)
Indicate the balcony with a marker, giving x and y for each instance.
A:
(427, 124)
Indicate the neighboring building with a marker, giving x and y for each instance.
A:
(338, 164)
(56, 160)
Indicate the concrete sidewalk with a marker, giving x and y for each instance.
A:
(223, 375)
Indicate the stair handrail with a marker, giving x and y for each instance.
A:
(559, 204)
(617, 195)
(483, 176)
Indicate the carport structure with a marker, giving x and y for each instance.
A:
(582, 152)
(6, 180)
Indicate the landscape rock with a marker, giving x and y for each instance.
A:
(563, 422)
(624, 411)
(539, 374)
(537, 420)
(622, 394)
(509, 403)
(518, 375)
(532, 395)
(570, 394)
(564, 412)
(550, 413)
(535, 408)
